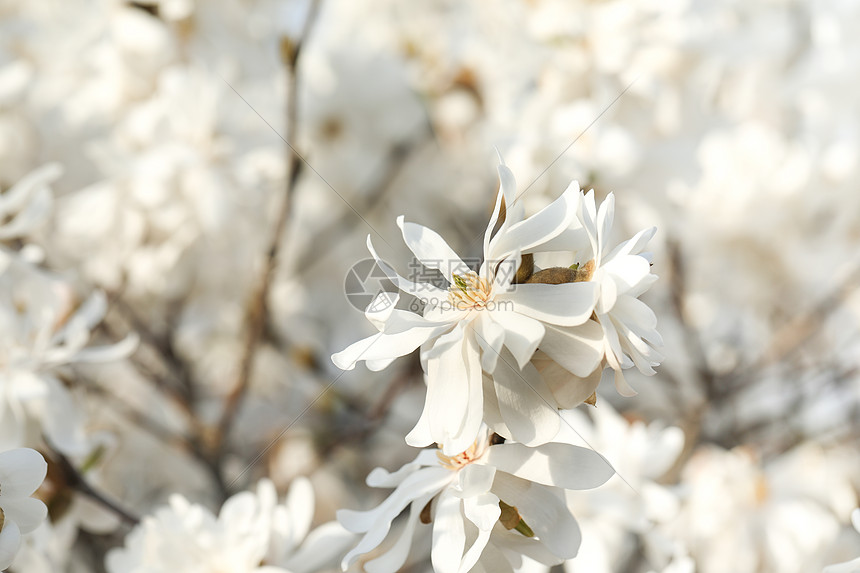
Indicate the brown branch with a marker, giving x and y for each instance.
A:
(76, 481)
(343, 226)
(255, 318)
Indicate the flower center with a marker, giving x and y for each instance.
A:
(461, 460)
(469, 292)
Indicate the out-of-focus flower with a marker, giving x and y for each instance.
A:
(737, 516)
(43, 329)
(27, 203)
(21, 472)
(852, 566)
(252, 533)
(479, 322)
(480, 494)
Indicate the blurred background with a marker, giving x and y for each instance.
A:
(152, 192)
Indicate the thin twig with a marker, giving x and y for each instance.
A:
(77, 482)
(257, 307)
(343, 226)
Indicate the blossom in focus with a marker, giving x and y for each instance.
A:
(503, 500)
(21, 472)
(852, 566)
(629, 327)
(481, 323)
(252, 533)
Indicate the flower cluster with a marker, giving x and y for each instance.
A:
(252, 533)
(504, 347)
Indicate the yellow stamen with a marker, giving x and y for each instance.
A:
(469, 292)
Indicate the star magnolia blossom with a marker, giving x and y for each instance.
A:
(483, 322)
(506, 500)
(21, 472)
(852, 566)
(41, 328)
(252, 533)
(628, 326)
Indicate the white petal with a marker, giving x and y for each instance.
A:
(637, 315)
(494, 218)
(579, 349)
(422, 482)
(614, 353)
(16, 197)
(566, 304)
(118, 351)
(420, 290)
(525, 403)
(449, 536)
(450, 393)
(475, 479)
(544, 509)
(384, 346)
(398, 321)
(556, 464)
(300, 504)
(508, 186)
(514, 542)
(484, 511)
(380, 477)
(37, 209)
(492, 415)
(490, 336)
(622, 386)
(627, 271)
(608, 293)
(537, 229)
(503, 271)
(573, 239)
(377, 522)
(319, 548)
(27, 512)
(522, 334)
(632, 246)
(432, 250)
(605, 216)
(22, 471)
(395, 557)
(569, 391)
(10, 540)
(493, 561)
(588, 217)
(473, 378)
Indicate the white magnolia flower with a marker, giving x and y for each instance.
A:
(482, 322)
(852, 566)
(629, 326)
(41, 329)
(739, 516)
(503, 501)
(21, 472)
(252, 533)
